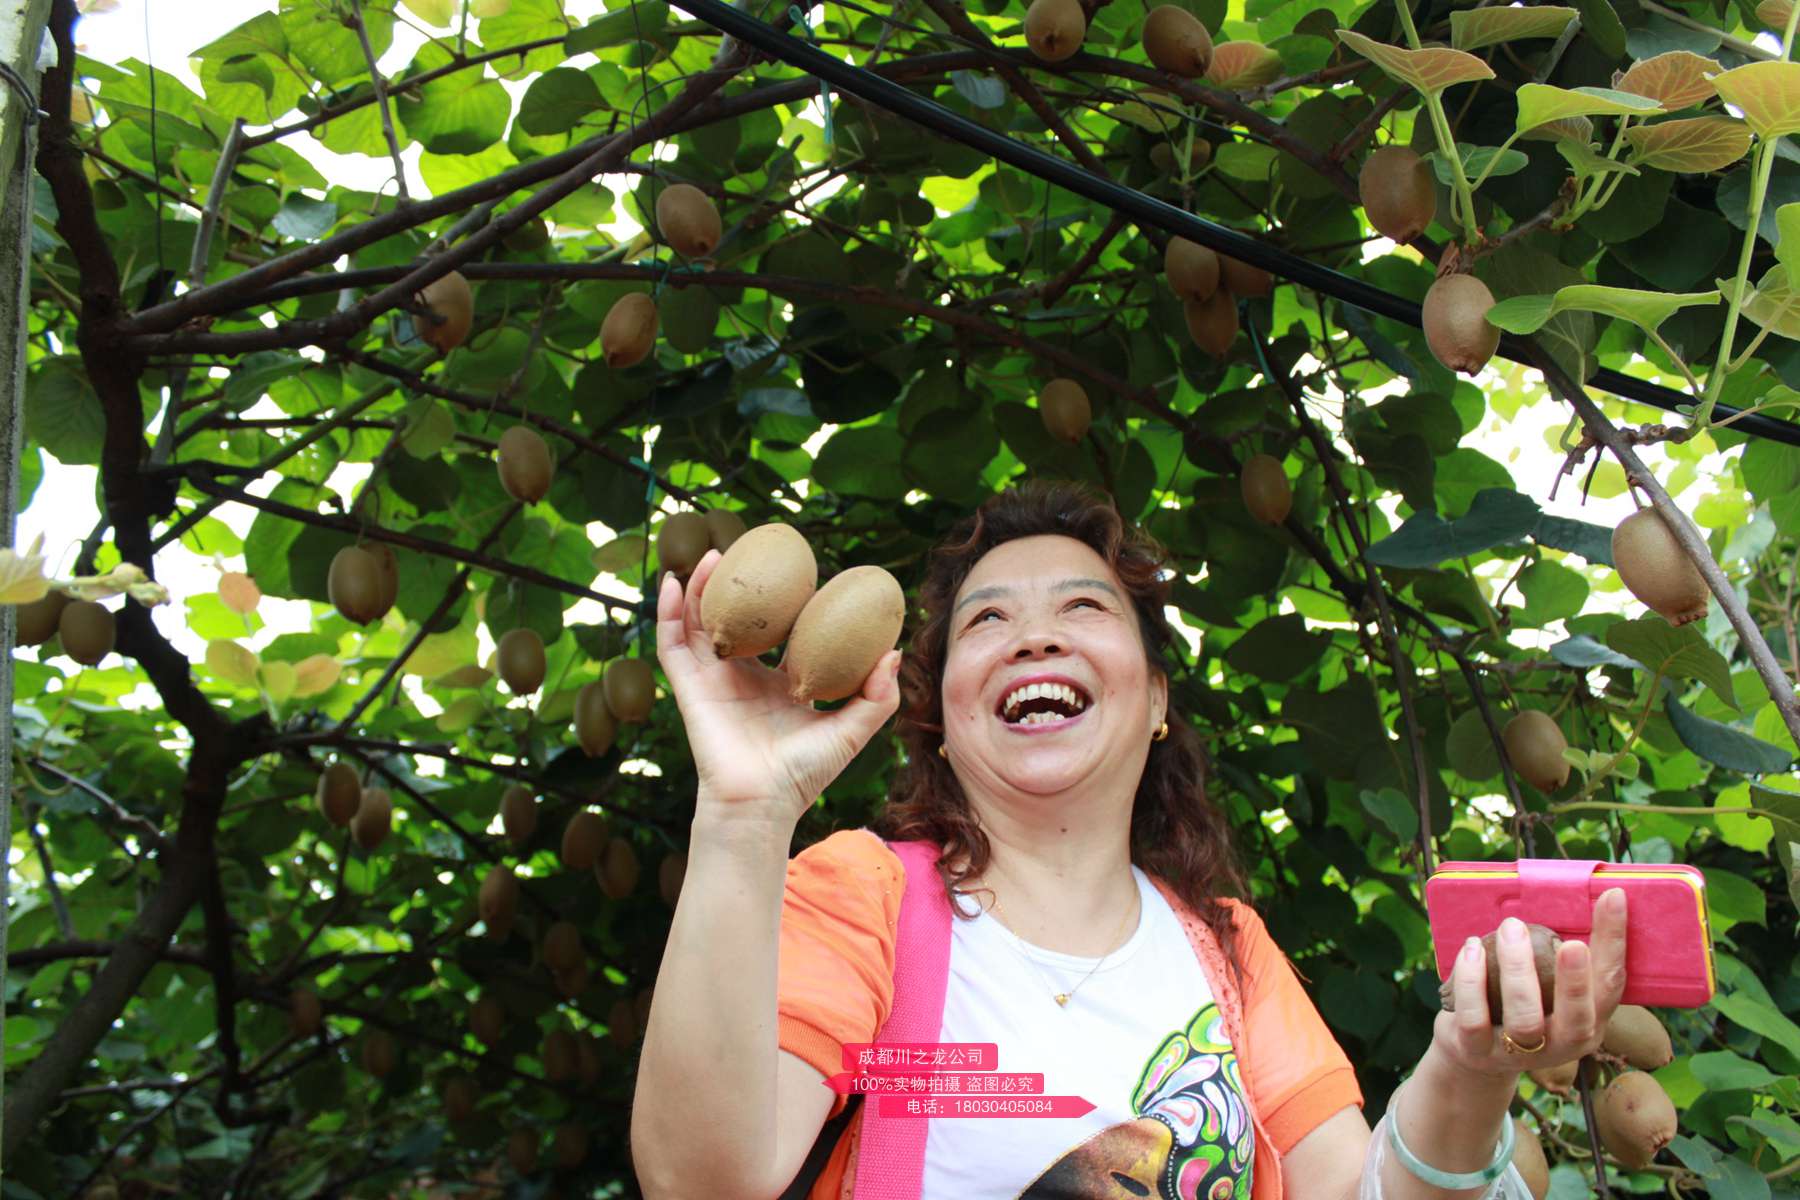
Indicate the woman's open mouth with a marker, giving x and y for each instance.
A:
(1042, 707)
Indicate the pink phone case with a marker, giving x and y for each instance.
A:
(1668, 946)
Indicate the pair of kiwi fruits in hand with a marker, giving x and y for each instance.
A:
(765, 590)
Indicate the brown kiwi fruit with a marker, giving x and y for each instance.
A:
(1528, 1158)
(1241, 279)
(305, 1012)
(378, 1053)
(1634, 1034)
(670, 876)
(1064, 407)
(621, 1023)
(583, 840)
(630, 689)
(682, 541)
(757, 589)
(562, 949)
(520, 658)
(1456, 324)
(588, 1062)
(1635, 1118)
(525, 464)
(460, 1096)
(1559, 1080)
(1653, 566)
(726, 528)
(1054, 29)
(1535, 745)
(1177, 42)
(1398, 193)
(842, 634)
(570, 984)
(38, 620)
(594, 725)
(570, 1144)
(339, 793)
(629, 332)
(452, 307)
(561, 1055)
(1544, 944)
(356, 586)
(88, 631)
(617, 870)
(499, 900)
(522, 1150)
(1191, 270)
(487, 1020)
(1213, 322)
(389, 569)
(688, 220)
(518, 814)
(1267, 493)
(374, 818)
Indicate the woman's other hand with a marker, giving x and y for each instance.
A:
(758, 753)
(1590, 978)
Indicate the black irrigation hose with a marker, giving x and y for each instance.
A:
(1147, 210)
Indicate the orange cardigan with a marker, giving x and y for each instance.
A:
(839, 919)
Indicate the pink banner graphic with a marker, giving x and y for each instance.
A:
(907, 1058)
(983, 1106)
(971, 1084)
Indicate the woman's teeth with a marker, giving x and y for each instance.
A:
(1041, 718)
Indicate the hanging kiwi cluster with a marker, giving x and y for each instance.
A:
(1208, 284)
(87, 629)
(368, 812)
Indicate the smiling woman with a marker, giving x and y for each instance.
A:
(1049, 902)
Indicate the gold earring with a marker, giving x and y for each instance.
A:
(1162, 731)
(943, 753)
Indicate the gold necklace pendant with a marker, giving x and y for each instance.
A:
(1062, 998)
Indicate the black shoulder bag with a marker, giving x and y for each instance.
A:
(821, 1151)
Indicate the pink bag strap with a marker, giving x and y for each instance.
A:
(890, 1158)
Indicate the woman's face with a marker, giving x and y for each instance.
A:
(1047, 610)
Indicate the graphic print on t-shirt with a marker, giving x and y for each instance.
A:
(1192, 1137)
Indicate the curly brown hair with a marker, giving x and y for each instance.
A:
(1177, 833)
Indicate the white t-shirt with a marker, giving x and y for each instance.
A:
(1141, 1040)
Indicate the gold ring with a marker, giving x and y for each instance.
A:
(1513, 1047)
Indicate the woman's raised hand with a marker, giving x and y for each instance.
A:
(758, 753)
(1590, 978)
